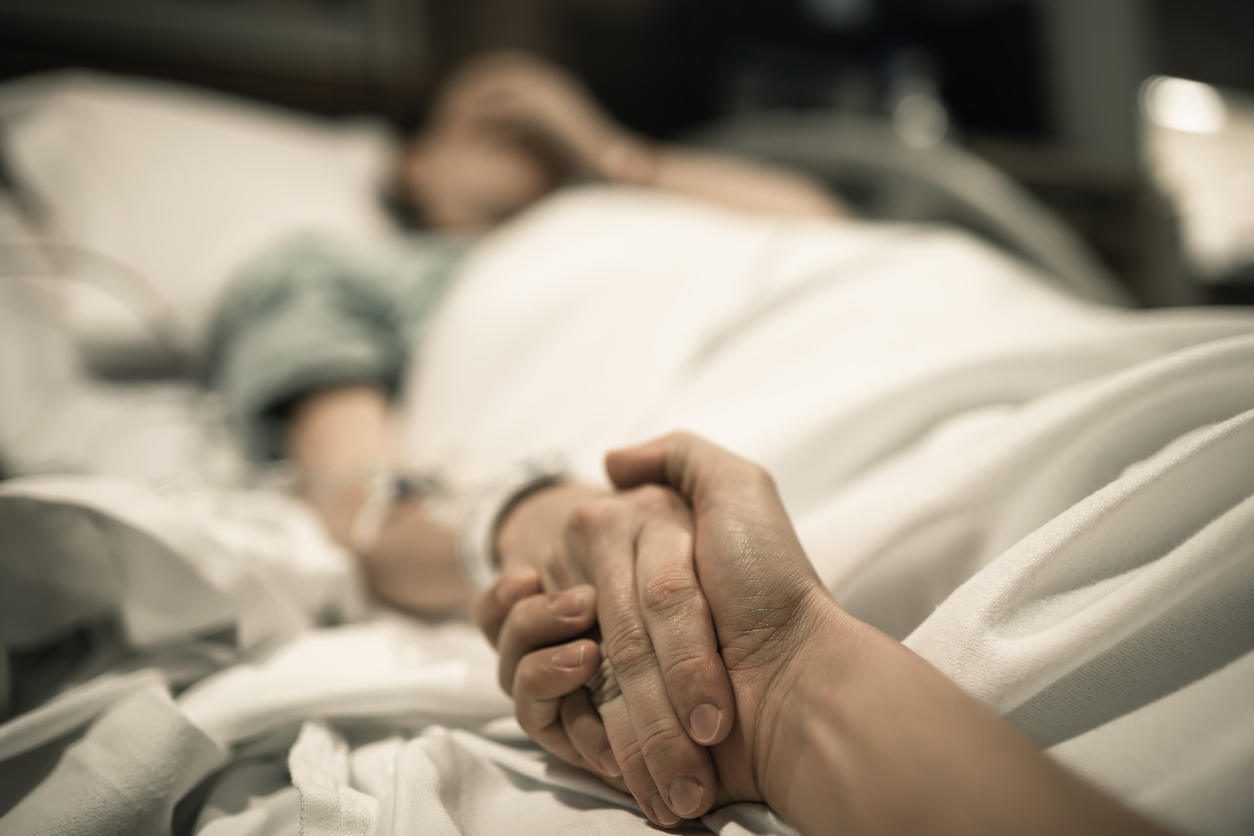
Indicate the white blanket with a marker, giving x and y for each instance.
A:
(1053, 503)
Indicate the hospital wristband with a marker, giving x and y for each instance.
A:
(381, 492)
(385, 486)
(478, 536)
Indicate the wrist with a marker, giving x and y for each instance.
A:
(797, 719)
(356, 501)
(480, 532)
(531, 532)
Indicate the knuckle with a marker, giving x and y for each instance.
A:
(761, 479)
(662, 739)
(632, 761)
(526, 679)
(653, 497)
(671, 591)
(629, 648)
(591, 516)
(681, 437)
(692, 668)
(519, 625)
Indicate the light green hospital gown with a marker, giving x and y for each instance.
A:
(313, 312)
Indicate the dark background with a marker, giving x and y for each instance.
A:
(1045, 89)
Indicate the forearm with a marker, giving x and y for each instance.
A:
(541, 100)
(876, 740)
(338, 437)
(739, 183)
(414, 564)
(340, 427)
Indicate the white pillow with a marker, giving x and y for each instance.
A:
(180, 186)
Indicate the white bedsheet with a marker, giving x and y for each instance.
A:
(1051, 502)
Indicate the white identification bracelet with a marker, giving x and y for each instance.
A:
(478, 536)
(385, 486)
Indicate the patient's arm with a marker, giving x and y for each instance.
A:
(839, 727)
(735, 182)
(525, 96)
(336, 437)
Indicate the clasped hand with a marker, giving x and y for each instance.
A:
(693, 581)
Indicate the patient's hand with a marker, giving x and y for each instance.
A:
(522, 95)
(549, 698)
(636, 547)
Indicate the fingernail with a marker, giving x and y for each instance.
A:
(704, 721)
(685, 796)
(570, 657)
(569, 603)
(663, 813)
(609, 764)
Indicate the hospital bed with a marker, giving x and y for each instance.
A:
(1049, 499)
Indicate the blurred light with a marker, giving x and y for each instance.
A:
(1183, 105)
(920, 120)
(840, 14)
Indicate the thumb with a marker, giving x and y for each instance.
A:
(681, 460)
(735, 502)
(639, 465)
(703, 473)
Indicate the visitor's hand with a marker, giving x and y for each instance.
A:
(766, 600)
(673, 695)
(538, 101)
(767, 604)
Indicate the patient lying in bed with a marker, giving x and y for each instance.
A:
(310, 345)
(969, 458)
(1047, 501)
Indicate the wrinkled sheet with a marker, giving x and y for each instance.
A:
(1052, 502)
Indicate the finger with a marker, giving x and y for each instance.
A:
(586, 730)
(679, 460)
(625, 744)
(627, 752)
(704, 474)
(681, 627)
(489, 608)
(730, 497)
(543, 678)
(598, 539)
(680, 769)
(540, 621)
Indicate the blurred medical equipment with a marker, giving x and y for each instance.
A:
(885, 170)
(178, 186)
(57, 416)
(1199, 146)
